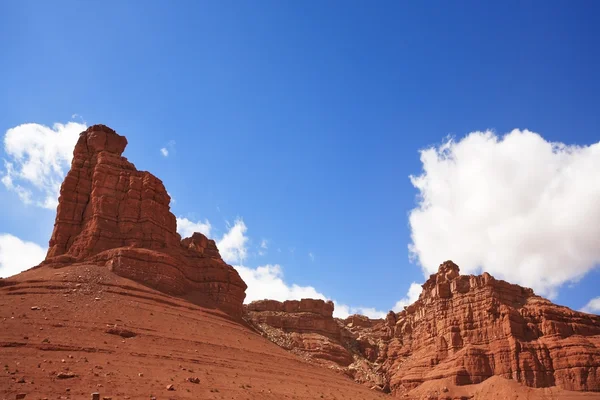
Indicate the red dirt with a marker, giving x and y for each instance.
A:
(82, 309)
(72, 320)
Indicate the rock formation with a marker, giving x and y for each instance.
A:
(463, 327)
(307, 327)
(109, 213)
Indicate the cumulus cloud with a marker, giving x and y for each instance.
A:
(186, 228)
(592, 307)
(414, 291)
(311, 256)
(164, 152)
(17, 255)
(37, 159)
(232, 245)
(517, 206)
(267, 282)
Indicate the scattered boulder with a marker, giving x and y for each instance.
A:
(124, 333)
(66, 375)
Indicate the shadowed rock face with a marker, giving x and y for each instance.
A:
(463, 327)
(113, 214)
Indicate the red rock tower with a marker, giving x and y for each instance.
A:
(112, 214)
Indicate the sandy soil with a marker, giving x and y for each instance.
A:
(69, 321)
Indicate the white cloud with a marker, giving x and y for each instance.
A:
(311, 256)
(414, 291)
(264, 245)
(232, 245)
(186, 228)
(173, 201)
(17, 255)
(266, 282)
(168, 149)
(518, 207)
(592, 307)
(38, 158)
(343, 311)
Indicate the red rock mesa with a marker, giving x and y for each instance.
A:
(463, 327)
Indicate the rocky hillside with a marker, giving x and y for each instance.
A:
(462, 328)
(124, 307)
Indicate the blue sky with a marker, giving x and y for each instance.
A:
(305, 120)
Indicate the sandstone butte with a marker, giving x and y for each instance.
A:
(124, 307)
(112, 214)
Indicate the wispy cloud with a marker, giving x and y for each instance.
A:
(592, 307)
(264, 245)
(168, 149)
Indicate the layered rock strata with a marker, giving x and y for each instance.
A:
(306, 326)
(110, 213)
(465, 328)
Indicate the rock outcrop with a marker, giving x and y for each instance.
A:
(464, 328)
(306, 327)
(112, 214)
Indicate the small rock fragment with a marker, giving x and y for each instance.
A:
(170, 387)
(65, 375)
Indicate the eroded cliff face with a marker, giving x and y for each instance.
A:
(112, 214)
(466, 328)
(306, 327)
